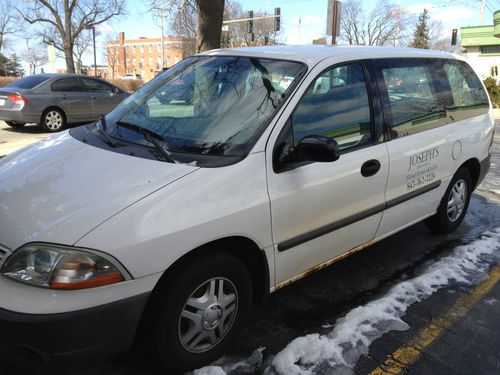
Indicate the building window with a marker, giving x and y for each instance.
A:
(150, 60)
(490, 49)
(134, 61)
(142, 48)
(159, 47)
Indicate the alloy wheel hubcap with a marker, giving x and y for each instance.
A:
(456, 200)
(208, 315)
(53, 120)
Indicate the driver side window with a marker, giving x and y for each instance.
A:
(335, 105)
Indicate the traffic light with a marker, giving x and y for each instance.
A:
(454, 37)
(250, 22)
(277, 19)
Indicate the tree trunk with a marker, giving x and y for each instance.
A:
(70, 62)
(210, 16)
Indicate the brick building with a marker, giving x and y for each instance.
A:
(143, 56)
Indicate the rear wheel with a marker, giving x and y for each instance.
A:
(16, 125)
(53, 120)
(201, 311)
(454, 204)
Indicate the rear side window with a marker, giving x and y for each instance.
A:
(412, 99)
(336, 105)
(469, 97)
(67, 84)
(28, 82)
(93, 85)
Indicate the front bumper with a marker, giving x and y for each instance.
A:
(90, 333)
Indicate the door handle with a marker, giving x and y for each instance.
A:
(370, 167)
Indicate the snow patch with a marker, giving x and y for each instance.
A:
(248, 365)
(339, 350)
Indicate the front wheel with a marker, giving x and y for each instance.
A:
(53, 120)
(201, 311)
(454, 204)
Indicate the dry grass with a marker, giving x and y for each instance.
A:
(130, 85)
(6, 80)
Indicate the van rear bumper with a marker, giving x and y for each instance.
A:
(90, 333)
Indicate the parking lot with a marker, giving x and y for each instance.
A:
(13, 139)
(448, 326)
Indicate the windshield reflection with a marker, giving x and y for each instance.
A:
(209, 105)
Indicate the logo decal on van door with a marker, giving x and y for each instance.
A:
(421, 168)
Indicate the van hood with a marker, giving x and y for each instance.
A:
(59, 189)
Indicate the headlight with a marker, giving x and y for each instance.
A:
(60, 267)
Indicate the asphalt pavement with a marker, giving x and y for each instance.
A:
(454, 331)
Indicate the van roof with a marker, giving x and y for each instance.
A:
(312, 54)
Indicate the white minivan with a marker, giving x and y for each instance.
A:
(227, 177)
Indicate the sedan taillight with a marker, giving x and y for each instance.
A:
(18, 99)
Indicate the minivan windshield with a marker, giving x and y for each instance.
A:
(208, 105)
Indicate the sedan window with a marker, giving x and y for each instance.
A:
(28, 82)
(67, 85)
(93, 85)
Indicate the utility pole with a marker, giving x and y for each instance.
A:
(335, 21)
(161, 41)
(481, 13)
(95, 54)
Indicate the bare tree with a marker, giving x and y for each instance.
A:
(209, 16)
(63, 21)
(386, 24)
(8, 21)
(112, 52)
(82, 44)
(36, 56)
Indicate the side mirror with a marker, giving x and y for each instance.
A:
(317, 148)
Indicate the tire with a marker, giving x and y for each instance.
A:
(190, 335)
(15, 125)
(53, 120)
(453, 206)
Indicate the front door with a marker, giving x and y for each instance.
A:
(102, 97)
(322, 210)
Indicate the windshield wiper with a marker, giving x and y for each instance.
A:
(102, 131)
(149, 136)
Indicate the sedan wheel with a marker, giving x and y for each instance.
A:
(53, 120)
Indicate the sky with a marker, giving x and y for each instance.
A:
(311, 13)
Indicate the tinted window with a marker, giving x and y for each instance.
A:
(335, 105)
(412, 98)
(67, 84)
(469, 97)
(93, 85)
(28, 82)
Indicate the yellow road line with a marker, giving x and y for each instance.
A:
(409, 353)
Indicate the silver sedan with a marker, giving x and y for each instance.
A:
(56, 100)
